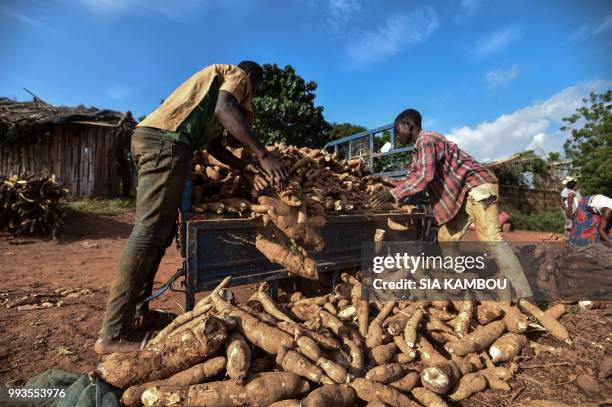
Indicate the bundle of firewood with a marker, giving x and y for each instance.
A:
(337, 350)
(319, 183)
(31, 205)
(568, 272)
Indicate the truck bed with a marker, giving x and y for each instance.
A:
(215, 246)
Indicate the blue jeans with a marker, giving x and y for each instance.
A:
(163, 165)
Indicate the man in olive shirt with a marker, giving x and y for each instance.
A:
(192, 117)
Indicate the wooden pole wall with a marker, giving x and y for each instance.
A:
(83, 157)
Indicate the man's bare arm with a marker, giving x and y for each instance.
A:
(603, 224)
(231, 117)
(569, 210)
(221, 153)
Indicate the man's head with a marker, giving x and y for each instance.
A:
(407, 126)
(255, 73)
(569, 182)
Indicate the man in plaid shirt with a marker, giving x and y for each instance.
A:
(462, 191)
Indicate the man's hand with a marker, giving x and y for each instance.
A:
(380, 198)
(391, 181)
(275, 171)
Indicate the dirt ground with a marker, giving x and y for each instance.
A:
(81, 265)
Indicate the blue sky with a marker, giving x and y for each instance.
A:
(495, 76)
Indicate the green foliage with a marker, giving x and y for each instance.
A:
(340, 130)
(381, 138)
(590, 145)
(285, 109)
(391, 162)
(553, 157)
(551, 221)
(101, 206)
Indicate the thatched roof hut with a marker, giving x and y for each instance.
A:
(27, 121)
(86, 148)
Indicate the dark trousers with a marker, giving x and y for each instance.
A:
(163, 165)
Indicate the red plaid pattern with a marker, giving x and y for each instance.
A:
(446, 171)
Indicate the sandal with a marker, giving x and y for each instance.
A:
(153, 320)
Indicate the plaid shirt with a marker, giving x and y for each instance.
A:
(446, 171)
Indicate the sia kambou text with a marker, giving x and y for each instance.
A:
(411, 263)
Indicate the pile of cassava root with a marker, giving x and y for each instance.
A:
(318, 184)
(333, 350)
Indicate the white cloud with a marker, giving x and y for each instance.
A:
(22, 18)
(538, 143)
(500, 76)
(341, 11)
(176, 10)
(535, 126)
(393, 36)
(496, 41)
(589, 30)
(338, 12)
(466, 9)
(117, 92)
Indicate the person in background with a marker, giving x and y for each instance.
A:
(592, 221)
(570, 196)
(461, 191)
(194, 116)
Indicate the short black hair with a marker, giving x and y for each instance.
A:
(252, 68)
(571, 184)
(409, 115)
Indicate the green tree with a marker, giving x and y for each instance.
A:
(339, 130)
(285, 109)
(590, 145)
(553, 157)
